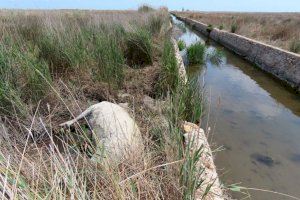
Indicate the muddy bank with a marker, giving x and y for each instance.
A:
(282, 64)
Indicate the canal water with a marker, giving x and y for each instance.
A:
(253, 118)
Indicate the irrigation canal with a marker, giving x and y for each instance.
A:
(254, 117)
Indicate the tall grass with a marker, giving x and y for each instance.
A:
(21, 75)
(45, 67)
(139, 47)
(169, 76)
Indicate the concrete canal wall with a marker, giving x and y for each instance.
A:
(282, 64)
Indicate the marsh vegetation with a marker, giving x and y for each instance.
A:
(53, 65)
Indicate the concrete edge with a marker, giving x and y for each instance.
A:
(181, 67)
(196, 138)
(282, 64)
(195, 135)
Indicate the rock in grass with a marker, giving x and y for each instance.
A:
(116, 133)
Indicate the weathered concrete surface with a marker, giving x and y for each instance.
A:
(196, 138)
(282, 64)
(116, 133)
(181, 67)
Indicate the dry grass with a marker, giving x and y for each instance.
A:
(37, 159)
(53, 65)
(277, 29)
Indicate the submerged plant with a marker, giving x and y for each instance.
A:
(182, 27)
(215, 56)
(195, 53)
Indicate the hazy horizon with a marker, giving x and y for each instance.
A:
(193, 5)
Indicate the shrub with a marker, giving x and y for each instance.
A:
(139, 47)
(221, 27)
(234, 27)
(295, 46)
(195, 53)
(181, 45)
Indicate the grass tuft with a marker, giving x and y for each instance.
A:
(181, 45)
(195, 53)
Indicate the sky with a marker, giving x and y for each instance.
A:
(201, 5)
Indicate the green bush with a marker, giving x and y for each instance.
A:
(195, 53)
(221, 27)
(181, 45)
(295, 46)
(139, 47)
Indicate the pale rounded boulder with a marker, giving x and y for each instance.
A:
(117, 134)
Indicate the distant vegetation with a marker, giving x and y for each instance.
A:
(277, 29)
